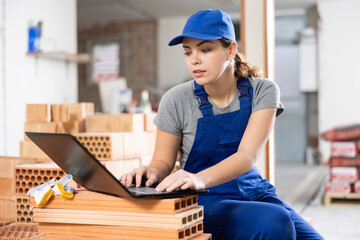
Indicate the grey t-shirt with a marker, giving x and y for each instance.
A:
(179, 111)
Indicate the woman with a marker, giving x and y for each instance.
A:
(220, 122)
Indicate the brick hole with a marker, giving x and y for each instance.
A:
(190, 218)
(105, 156)
(18, 184)
(188, 202)
(79, 138)
(90, 138)
(32, 178)
(193, 230)
(42, 172)
(99, 144)
(45, 179)
(22, 207)
(19, 213)
(194, 200)
(183, 204)
(200, 213)
(187, 232)
(26, 190)
(36, 172)
(17, 220)
(25, 201)
(101, 138)
(30, 184)
(27, 178)
(104, 144)
(90, 149)
(36, 184)
(39, 178)
(61, 173)
(177, 206)
(31, 214)
(98, 155)
(25, 214)
(57, 178)
(21, 190)
(87, 144)
(23, 171)
(96, 149)
(17, 171)
(18, 200)
(23, 184)
(195, 216)
(184, 220)
(107, 138)
(48, 172)
(30, 171)
(96, 138)
(181, 235)
(54, 173)
(85, 138)
(28, 220)
(107, 150)
(200, 227)
(93, 144)
(101, 150)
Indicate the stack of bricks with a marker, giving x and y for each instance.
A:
(99, 216)
(28, 176)
(7, 196)
(52, 118)
(344, 163)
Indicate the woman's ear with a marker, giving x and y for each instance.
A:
(232, 50)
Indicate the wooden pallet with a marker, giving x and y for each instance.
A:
(342, 199)
(87, 200)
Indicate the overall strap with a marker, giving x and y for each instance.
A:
(201, 97)
(246, 93)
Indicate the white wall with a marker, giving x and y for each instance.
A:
(171, 65)
(339, 52)
(2, 92)
(35, 80)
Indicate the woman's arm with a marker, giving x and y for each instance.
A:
(256, 134)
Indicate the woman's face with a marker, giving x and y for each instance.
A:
(206, 60)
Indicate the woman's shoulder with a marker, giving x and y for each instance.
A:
(181, 94)
(264, 85)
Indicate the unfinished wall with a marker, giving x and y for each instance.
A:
(36, 80)
(137, 56)
(339, 51)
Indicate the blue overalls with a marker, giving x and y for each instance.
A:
(246, 207)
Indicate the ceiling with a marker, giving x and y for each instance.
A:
(103, 11)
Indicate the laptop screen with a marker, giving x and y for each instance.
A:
(76, 160)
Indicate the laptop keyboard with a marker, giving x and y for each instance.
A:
(145, 190)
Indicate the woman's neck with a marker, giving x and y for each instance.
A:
(223, 90)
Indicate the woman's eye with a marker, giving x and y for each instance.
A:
(187, 53)
(205, 50)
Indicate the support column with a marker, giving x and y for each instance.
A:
(257, 31)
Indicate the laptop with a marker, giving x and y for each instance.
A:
(73, 158)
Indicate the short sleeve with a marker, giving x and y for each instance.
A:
(167, 118)
(267, 95)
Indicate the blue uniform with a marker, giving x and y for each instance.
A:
(246, 207)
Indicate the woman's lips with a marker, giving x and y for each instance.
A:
(198, 73)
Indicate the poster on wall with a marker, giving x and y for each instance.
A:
(108, 66)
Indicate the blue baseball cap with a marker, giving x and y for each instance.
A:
(207, 25)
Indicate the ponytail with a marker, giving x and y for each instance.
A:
(242, 69)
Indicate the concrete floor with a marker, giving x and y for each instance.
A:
(302, 187)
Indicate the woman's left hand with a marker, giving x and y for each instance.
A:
(181, 179)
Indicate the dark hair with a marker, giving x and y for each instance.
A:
(242, 68)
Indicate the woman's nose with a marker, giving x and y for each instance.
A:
(195, 59)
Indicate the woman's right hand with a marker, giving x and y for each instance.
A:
(151, 175)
